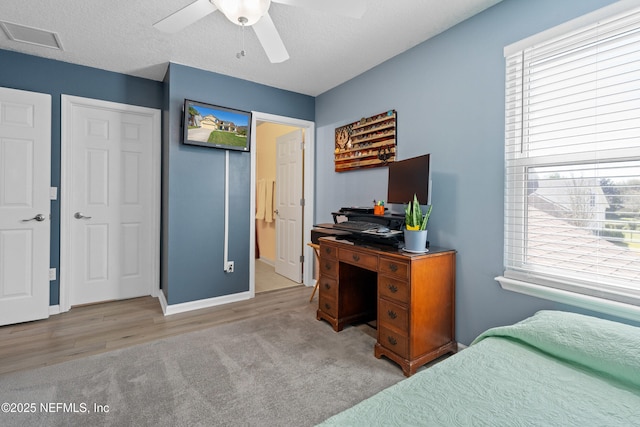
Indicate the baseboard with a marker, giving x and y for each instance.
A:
(54, 309)
(197, 305)
(267, 261)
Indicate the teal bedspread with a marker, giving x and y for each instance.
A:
(553, 369)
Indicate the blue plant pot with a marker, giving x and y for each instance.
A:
(415, 240)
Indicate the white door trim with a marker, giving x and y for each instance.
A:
(309, 186)
(68, 102)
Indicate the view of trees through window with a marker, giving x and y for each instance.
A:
(604, 199)
(623, 212)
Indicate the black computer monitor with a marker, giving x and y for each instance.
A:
(408, 177)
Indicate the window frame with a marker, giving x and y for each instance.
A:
(525, 280)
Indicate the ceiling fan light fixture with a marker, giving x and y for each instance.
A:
(243, 12)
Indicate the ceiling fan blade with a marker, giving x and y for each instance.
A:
(185, 16)
(349, 8)
(270, 39)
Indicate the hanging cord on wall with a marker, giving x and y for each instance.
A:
(226, 213)
(242, 53)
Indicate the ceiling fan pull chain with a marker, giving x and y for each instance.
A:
(242, 52)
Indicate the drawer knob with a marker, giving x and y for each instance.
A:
(327, 306)
(392, 288)
(327, 250)
(356, 257)
(392, 314)
(327, 266)
(392, 340)
(393, 267)
(327, 286)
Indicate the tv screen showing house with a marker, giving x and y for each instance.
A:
(209, 125)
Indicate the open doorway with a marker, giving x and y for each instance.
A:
(272, 233)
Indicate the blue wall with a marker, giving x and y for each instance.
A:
(193, 186)
(25, 72)
(449, 95)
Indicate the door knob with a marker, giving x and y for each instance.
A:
(78, 215)
(276, 212)
(39, 218)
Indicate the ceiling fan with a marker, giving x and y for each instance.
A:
(255, 13)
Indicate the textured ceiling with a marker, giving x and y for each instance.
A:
(325, 49)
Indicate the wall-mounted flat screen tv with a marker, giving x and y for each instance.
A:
(213, 126)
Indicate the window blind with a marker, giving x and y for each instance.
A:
(572, 160)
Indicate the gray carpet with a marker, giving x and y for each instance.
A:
(284, 370)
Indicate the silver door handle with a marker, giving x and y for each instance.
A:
(78, 215)
(38, 218)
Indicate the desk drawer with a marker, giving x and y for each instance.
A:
(395, 289)
(368, 261)
(328, 304)
(395, 342)
(328, 251)
(328, 267)
(328, 287)
(393, 316)
(394, 267)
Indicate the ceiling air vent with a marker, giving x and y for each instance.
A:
(35, 36)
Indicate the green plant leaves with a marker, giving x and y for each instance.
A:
(413, 217)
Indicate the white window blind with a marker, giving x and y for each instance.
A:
(572, 153)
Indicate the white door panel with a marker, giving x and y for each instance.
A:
(289, 210)
(112, 207)
(25, 171)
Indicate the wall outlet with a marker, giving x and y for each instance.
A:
(230, 267)
(52, 274)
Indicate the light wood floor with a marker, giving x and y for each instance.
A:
(98, 328)
(268, 280)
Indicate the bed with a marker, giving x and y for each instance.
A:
(552, 369)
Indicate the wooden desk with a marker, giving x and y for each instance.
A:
(412, 296)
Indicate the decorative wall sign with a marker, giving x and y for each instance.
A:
(367, 143)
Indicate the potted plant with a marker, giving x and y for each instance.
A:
(415, 233)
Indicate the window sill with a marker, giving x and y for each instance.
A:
(613, 308)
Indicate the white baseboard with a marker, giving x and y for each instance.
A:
(203, 303)
(54, 309)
